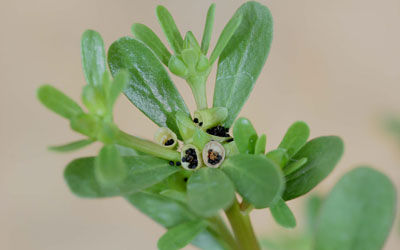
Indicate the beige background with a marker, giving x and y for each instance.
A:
(334, 64)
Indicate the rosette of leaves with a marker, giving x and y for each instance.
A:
(152, 176)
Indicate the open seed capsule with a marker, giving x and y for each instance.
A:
(208, 118)
(213, 154)
(165, 137)
(190, 157)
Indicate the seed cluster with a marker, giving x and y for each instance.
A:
(191, 158)
(213, 157)
(219, 130)
(169, 142)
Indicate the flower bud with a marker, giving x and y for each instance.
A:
(177, 67)
(208, 118)
(213, 154)
(165, 137)
(190, 157)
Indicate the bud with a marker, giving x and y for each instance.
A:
(177, 66)
(165, 137)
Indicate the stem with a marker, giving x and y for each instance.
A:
(198, 86)
(220, 227)
(242, 228)
(147, 147)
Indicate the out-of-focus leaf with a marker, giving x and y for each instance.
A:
(168, 25)
(279, 156)
(149, 87)
(282, 214)
(245, 136)
(260, 145)
(313, 206)
(72, 146)
(243, 58)
(205, 42)
(110, 168)
(295, 137)
(322, 153)
(258, 180)
(358, 213)
(116, 88)
(181, 235)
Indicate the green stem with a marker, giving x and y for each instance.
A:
(147, 147)
(242, 228)
(220, 227)
(198, 86)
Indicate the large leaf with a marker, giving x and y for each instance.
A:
(358, 213)
(245, 136)
(282, 214)
(295, 137)
(143, 172)
(93, 57)
(322, 153)
(243, 58)
(209, 190)
(258, 180)
(181, 235)
(149, 87)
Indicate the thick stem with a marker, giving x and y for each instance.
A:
(242, 228)
(198, 86)
(147, 147)
(220, 227)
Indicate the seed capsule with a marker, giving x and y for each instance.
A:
(208, 118)
(213, 154)
(190, 157)
(165, 137)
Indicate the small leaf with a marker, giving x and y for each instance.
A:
(85, 124)
(58, 102)
(243, 58)
(258, 180)
(181, 235)
(208, 28)
(168, 25)
(294, 166)
(94, 100)
(278, 156)
(148, 37)
(358, 213)
(110, 168)
(209, 190)
(322, 153)
(283, 215)
(260, 145)
(143, 172)
(245, 136)
(72, 146)
(225, 36)
(117, 86)
(295, 137)
(190, 57)
(177, 66)
(191, 42)
(93, 57)
(149, 87)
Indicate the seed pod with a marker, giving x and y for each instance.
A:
(190, 157)
(208, 118)
(165, 137)
(213, 154)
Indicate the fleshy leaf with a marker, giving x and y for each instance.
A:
(245, 136)
(243, 58)
(295, 137)
(205, 42)
(149, 87)
(313, 207)
(258, 180)
(168, 25)
(143, 172)
(110, 168)
(72, 146)
(260, 144)
(117, 86)
(322, 153)
(148, 37)
(93, 57)
(181, 235)
(283, 215)
(358, 213)
(209, 190)
(58, 102)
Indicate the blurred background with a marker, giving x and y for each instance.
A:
(333, 64)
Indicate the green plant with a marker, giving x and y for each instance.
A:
(194, 168)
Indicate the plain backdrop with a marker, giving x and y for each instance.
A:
(333, 64)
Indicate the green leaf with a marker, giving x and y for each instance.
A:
(149, 87)
(117, 86)
(93, 57)
(358, 213)
(58, 102)
(143, 172)
(313, 207)
(260, 144)
(209, 190)
(181, 235)
(294, 166)
(174, 194)
(295, 137)
(208, 28)
(279, 156)
(258, 180)
(208, 240)
(72, 146)
(85, 124)
(243, 58)
(322, 153)
(110, 168)
(148, 37)
(225, 36)
(283, 215)
(245, 136)
(168, 25)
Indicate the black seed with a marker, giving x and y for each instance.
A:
(169, 142)
(183, 159)
(191, 158)
(185, 179)
(171, 163)
(229, 140)
(178, 163)
(195, 120)
(219, 130)
(201, 124)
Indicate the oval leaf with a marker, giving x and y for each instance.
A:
(258, 180)
(209, 190)
(110, 167)
(143, 172)
(358, 213)
(283, 215)
(149, 87)
(295, 138)
(322, 153)
(243, 58)
(245, 136)
(181, 235)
